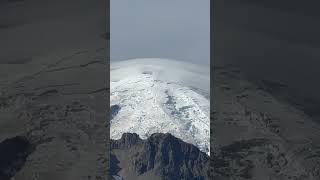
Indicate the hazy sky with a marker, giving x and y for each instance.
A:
(175, 29)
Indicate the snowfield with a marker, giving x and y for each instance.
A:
(161, 96)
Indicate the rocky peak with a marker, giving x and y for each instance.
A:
(164, 155)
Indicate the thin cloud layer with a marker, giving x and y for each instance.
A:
(177, 29)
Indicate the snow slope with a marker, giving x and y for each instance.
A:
(161, 96)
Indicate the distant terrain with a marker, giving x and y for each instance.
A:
(256, 134)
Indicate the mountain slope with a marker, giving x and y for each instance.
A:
(259, 136)
(161, 156)
(160, 96)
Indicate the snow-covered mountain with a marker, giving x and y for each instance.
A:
(161, 96)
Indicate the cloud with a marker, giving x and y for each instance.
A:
(177, 29)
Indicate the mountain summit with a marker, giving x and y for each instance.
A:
(161, 96)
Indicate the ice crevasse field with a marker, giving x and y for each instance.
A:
(161, 96)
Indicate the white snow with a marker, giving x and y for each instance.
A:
(161, 96)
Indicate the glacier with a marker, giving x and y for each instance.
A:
(153, 95)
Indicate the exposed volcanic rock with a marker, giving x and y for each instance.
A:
(114, 109)
(161, 155)
(127, 141)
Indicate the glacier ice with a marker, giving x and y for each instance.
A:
(161, 96)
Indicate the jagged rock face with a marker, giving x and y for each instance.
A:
(127, 141)
(114, 109)
(162, 155)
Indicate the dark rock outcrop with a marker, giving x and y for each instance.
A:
(13, 155)
(162, 155)
(114, 109)
(127, 141)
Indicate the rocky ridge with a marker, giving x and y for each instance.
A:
(161, 156)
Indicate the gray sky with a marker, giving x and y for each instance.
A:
(175, 29)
